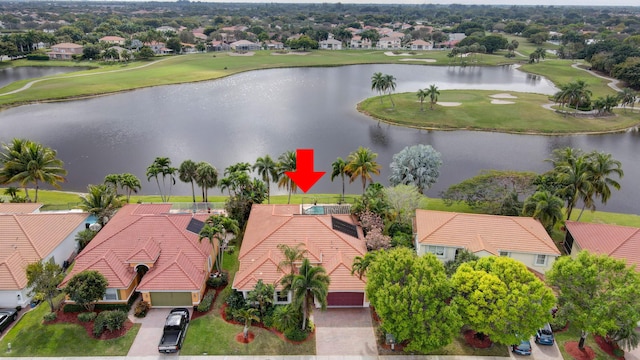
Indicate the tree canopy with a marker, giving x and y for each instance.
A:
(43, 278)
(86, 288)
(417, 165)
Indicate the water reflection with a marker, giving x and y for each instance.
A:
(13, 74)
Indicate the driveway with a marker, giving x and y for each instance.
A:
(146, 342)
(540, 352)
(344, 332)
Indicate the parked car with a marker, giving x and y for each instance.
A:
(544, 336)
(175, 329)
(524, 348)
(7, 316)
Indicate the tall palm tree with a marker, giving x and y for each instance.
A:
(575, 179)
(248, 315)
(339, 168)
(377, 84)
(603, 166)
(187, 173)
(609, 102)
(312, 282)
(218, 227)
(113, 180)
(627, 97)
(130, 183)
(206, 177)
(578, 93)
(268, 171)
(162, 166)
(36, 164)
(389, 82)
(362, 163)
(421, 94)
(361, 264)
(225, 184)
(540, 54)
(100, 201)
(545, 207)
(433, 93)
(11, 152)
(292, 255)
(287, 162)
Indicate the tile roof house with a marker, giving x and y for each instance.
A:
(420, 45)
(29, 237)
(619, 242)
(116, 40)
(326, 243)
(389, 43)
(244, 45)
(146, 248)
(521, 238)
(19, 208)
(357, 42)
(64, 51)
(330, 44)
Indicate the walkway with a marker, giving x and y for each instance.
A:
(148, 337)
(613, 83)
(346, 332)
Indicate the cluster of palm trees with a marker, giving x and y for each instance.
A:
(431, 92)
(27, 162)
(463, 52)
(537, 54)
(576, 94)
(384, 83)
(361, 163)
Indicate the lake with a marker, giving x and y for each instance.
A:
(245, 116)
(13, 74)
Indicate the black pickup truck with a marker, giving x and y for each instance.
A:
(175, 328)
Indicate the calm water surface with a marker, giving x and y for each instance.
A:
(242, 117)
(9, 75)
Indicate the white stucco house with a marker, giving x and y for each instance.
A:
(330, 44)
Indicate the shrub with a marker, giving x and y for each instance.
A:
(220, 281)
(296, 334)
(50, 316)
(110, 320)
(141, 309)
(87, 316)
(236, 300)
(72, 308)
(37, 57)
(206, 302)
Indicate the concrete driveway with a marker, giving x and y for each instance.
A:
(344, 332)
(146, 342)
(540, 352)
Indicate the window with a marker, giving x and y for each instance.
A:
(436, 250)
(541, 260)
(282, 297)
(504, 253)
(111, 294)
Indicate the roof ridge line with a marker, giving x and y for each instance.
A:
(623, 242)
(24, 231)
(516, 218)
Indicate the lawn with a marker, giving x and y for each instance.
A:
(212, 335)
(476, 112)
(525, 47)
(29, 337)
(573, 334)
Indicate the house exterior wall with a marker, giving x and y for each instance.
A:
(10, 298)
(125, 293)
(530, 261)
(449, 252)
(66, 248)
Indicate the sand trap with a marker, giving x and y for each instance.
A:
(390, 53)
(249, 53)
(291, 53)
(503, 96)
(425, 60)
(501, 102)
(444, 103)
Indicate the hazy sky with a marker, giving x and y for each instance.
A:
(466, 2)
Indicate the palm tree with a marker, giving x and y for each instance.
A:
(338, 168)
(574, 175)
(610, 102)
(268, 171)
(433, 93)
(361, 264)
(421, 94)
(225, 184)
(100, 201)
(218, 227)
(113, 180)
(578, 93)
(130, 183)
(540, 54)
(362, 163)
(33, 163)
(287, 162)
(545, 207)
(11, 191)
(187, 173)
(248, 315)
(162, 166)
(389, 82)
(377, 84)
(111, 54)
(627, 97)
(292, 255)
(206, 177)
(310, 283)
(602, 167)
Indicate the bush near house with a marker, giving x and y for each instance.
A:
(87, 316)
(206, 302)
(141, 309)
(50, 316)
(110, 320)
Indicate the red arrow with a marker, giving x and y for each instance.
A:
(304, 176)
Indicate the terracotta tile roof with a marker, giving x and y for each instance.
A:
(270, 225)
(145, 232)
(19, 208)
(478, 232)
(27, 238)
(620, 242)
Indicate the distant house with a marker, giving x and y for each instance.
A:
(219, 46)
(244, 45)
(357, 42)
(166, 29)
(148, 249)
(620, 242)
(420, 45)
(524, 239)
(200, 36)
(389, 43)
(159, 47)
(116, 40)
(274, 45)
(28, 236)
(330, 44)
(64, 51)
(331, 241)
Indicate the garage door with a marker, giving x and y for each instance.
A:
(171, 299)
(347, 299)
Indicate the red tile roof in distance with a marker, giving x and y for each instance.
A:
(620, 242)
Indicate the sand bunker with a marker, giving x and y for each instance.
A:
(501, 102)
(291, 53)
(444, 103)
(390, 53)
(425, 60)
(503, 96)
(248, 53)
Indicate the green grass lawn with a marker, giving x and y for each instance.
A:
(573, 334)
(212, 335)
(525, 47)
(476, 112)
(29, 337)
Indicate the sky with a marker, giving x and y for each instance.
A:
(465, 2)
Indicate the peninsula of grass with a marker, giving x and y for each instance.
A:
(525, 114)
